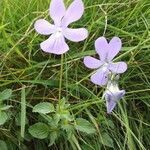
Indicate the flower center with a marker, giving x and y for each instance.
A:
(105, 66)
(113, 86)
(58, 32)
(59, 29)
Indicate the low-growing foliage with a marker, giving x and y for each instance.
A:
(58, 122)
(4, 115)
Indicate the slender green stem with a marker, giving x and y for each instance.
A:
(61, 76)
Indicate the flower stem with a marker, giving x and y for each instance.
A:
(61, 75)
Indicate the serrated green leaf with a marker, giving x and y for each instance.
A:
(44, 108)
(56, 119)
(3, 117)
(65, 114)
(53, 137)
(107, 140)
(84, 126)
(65, 125)
(39, 130)
(3, 145)
(5, 94)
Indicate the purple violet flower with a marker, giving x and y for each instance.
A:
(59, 31)
(112, 95)
(105, 66)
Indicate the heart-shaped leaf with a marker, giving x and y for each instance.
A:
(44, 108)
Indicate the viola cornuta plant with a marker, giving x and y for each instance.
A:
(107, 68)
(58, 31)
(74, 75)
(105, 65)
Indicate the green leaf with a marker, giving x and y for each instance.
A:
(3, 145)
(53, 137)
(3, 117)
(56, 119)
(39, 130)
(107, 140)
(5, 94)
(65, 125)
(65, 114)
(84, 126)
(44, 108)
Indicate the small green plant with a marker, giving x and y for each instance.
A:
(58, 122)
(4, 95)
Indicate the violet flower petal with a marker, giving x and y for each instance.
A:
(100, 77)
(92, 63)
(73, 13)
(55, 44)
(101, 46)
(119, 67)
(112, 99)
(114, 47)
(57, 11)
(75, 35)
(44, 27)
(110, 104)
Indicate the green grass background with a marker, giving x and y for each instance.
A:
(22, 63)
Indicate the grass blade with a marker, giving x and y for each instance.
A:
(23, 111)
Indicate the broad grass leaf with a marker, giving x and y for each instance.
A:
(44, 108)
(84, 126)
(3, 117)
(3, 145)
(39, 130)
(5, 94)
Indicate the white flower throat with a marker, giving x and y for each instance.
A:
(104, 67)
(112, 86)
(58, 32)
